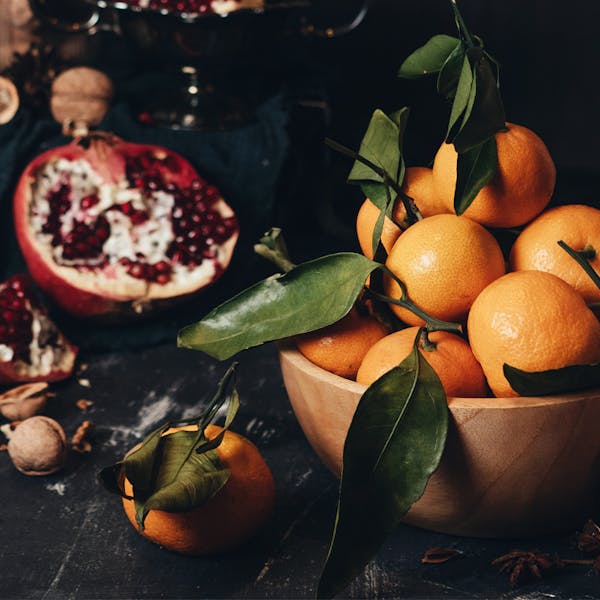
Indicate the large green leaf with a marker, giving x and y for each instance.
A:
(554, 381)
(474, 169)
(429, 58)
(310, 296)
(395, 442)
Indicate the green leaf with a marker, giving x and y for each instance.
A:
(474, 169)
(139, 464)
(179, 471)
(380, 146)
(465, 90)
(112, 478)
(449, 75)
(400, 117)
(376, 193)
(429, 58)
(487, 116)
(395, 442)
(181, 486)
(377, 231)
(312, 295)
(554, 381)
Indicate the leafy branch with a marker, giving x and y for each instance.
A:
(468, 78)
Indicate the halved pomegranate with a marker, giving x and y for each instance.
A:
(109, 227)
(31, 346)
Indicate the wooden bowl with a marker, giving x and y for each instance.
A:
(512, 467)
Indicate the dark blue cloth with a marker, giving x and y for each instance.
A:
(244, 164)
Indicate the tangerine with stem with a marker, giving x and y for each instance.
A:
(448, 354)
(520, 189)
(230, 517)
(444, 261)
(537, 247)
(533, 321)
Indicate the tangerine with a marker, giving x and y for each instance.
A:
(520, 189)
(448, 354)
(537, 248)
(533, 321)
(444, 261)
(230, 517)
(340, 348)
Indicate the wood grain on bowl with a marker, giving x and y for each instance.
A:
(511, 466)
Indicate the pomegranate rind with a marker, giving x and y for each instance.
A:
(84, 294)
(18, 371)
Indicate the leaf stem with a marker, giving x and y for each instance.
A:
(582, 257)
(424, 340)
(431, 323)
(461, 25)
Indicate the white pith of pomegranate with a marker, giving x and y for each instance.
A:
(31, 346)
(117, 227)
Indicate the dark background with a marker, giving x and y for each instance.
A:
(64, 537)
(548, 52)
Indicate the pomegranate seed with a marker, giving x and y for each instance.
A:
(163, 278)
(162, 267)
(126, 208)
(139, 217)
(89, 201)
(136, 270)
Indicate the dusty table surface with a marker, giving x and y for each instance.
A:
(65, 537)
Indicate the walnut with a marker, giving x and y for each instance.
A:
(38, 446)
(9, 100)
(80, 97)
(24, 401)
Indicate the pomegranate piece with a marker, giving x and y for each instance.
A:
(114, 228)
(31, 346)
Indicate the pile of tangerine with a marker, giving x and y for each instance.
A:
(530, 311)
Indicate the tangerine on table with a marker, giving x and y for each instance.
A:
(444, 261)
(537, 248)
(230, 517)
(340, 348)
(450, 357)
(533, 321)
(520, 189)
(418, 184)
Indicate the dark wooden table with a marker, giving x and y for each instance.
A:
(65, 537)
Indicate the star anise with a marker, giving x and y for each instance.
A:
(588, 540)
(523, 565)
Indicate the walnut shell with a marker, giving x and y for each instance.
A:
(81, 95)
(9, 100)
(24, 401)
(38, 446)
